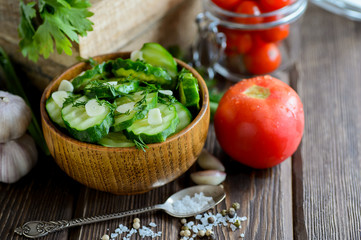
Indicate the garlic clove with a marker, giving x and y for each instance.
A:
(208, 177)
(209, 162)
(166, 92)
(59, 97)
(65, 85)
(17, 158)
(93, 108)
(155, 116)
(135, 55)
(15, 116)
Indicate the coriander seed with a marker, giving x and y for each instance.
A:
(236, 205)
(185, 228)
(183, 221)
(201, 233)
(136, 225)
(187, 233)
(136, 220)
(209, 233)
(105, 237)
(182, 233)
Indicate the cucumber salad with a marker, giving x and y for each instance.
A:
(127, 102)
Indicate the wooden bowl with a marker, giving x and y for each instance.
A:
(125, 170)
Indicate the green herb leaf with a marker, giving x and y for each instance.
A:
(63, 21)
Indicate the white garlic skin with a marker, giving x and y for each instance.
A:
(15, 116)
(17, 158)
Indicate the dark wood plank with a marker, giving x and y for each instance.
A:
(45, 194)
(330, 87)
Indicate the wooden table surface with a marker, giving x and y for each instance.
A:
(314, 195)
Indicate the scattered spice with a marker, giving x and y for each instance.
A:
(236, 206)
(105, 237)
(231, 212)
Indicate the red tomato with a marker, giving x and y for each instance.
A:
(226, 4)
(271, 5)
(263, 58)
(248, 7)
(259, 122)
(276, 34)
(238, 41)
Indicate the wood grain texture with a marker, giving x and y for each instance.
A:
(119, 25)
(330, 87)
(126, 170)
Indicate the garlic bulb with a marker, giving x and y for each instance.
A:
(17, 158)
(15, 116)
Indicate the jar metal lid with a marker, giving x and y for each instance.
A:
(284, 15)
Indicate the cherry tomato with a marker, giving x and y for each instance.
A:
(226, 4)
(276, 34)
(271, 5)
(263, 58)
(248, 7)
(238, 41)
(259, 122)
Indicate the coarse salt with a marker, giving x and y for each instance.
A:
(190, 204)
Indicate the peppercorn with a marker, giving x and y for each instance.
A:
(224, 212)
(231, 212)
(236, 205)
(237, 223)
(210, 219)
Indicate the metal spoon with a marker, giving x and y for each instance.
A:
(35, 229)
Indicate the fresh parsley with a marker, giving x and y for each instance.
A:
(62, 21)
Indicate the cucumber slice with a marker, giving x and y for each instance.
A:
(142, 130)
(131, 108)
(188, 89)
(110, 89)
(184, 115)
(65, 85)
(143, 71)
(116, 139)
(84, 127)
(54, 111)
(97, 72)
(156, 55)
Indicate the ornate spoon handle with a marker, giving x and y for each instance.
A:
(35, 229)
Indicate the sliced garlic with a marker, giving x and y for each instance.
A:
(125, 107)
(59, 97)
(93, 108)
(155, 116)
(208, 177)
(209, 162)
(135, 55)
(65, 85)
(166, 92)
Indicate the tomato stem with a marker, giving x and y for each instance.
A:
(256, 91)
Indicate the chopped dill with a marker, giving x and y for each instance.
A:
(139, 144)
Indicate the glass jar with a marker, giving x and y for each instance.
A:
(241, 45)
